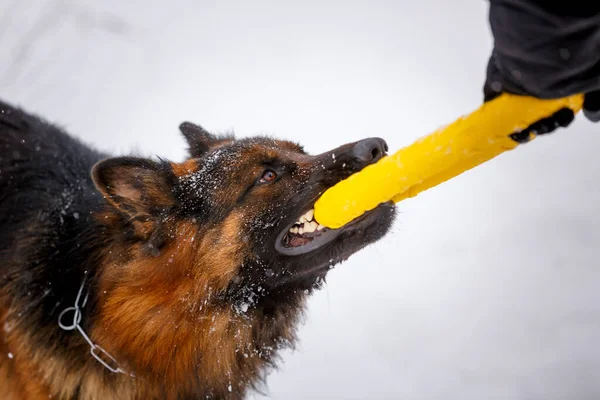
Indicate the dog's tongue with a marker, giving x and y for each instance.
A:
(297, 241)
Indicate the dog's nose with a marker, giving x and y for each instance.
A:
(370, 150)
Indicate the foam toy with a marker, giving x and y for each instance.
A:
(449, 151)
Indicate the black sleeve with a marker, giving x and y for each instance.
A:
(544, 48)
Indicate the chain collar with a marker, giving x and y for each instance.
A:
(96, 351)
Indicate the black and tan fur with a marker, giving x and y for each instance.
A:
(186, 290)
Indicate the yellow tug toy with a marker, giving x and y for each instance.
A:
(433, 159)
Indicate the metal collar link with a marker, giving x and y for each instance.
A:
(95, 350)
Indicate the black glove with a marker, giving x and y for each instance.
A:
(545, 50)
(591, 106)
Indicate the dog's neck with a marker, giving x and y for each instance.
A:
(166, 317)
(161, 319)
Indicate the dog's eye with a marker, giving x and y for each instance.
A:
(268, 176)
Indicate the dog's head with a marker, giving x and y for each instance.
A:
(245, 207)
(223, 247)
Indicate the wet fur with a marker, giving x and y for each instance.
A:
(185, 291)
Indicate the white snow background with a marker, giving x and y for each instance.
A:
(488, 285)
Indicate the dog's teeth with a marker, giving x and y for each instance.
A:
(310, 226)
(320, 227)
(309, 215)
(294, 229)
(301, 230)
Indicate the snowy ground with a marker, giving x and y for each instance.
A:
(488, 286)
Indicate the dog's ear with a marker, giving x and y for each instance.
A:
(137, 187)
(199, 140)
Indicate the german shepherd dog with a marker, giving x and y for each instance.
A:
(137, 278)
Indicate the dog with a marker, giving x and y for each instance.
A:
(141, 278)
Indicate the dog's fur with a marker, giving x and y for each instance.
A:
(186, 289)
